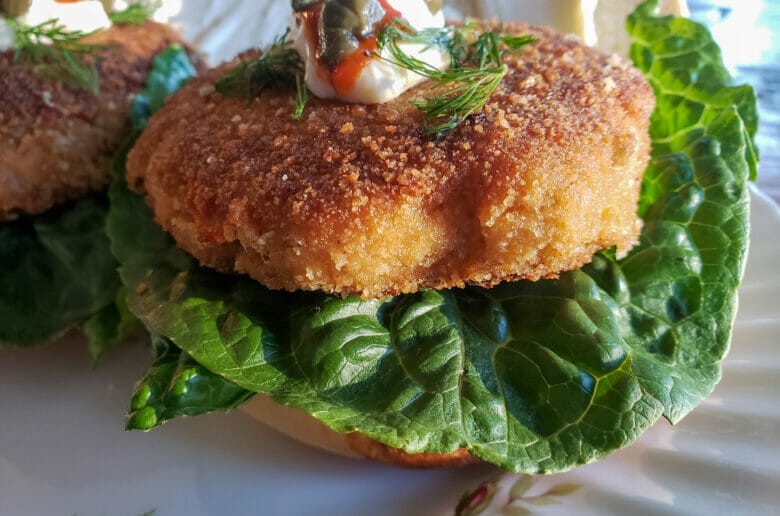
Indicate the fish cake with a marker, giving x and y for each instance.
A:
(357, 199)
(57, 141)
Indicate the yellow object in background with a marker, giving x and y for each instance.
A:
(609, 21)
(14, 8)
(600, 23)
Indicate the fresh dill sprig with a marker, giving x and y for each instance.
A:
(301, 96)
(279, 67)
(135, 13)
(475, 73)
(52, 51)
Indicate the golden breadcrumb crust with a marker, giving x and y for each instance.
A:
(356, 199)
(57, 141)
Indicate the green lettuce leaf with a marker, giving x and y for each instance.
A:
(534, 377)
(682, 281)
(170, 70)
(177, 386)
(56, 271)
(110, 327)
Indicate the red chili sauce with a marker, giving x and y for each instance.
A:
(345, 74)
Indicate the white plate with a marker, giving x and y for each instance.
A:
(63, 450)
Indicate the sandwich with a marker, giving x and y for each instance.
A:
(65, 98)
(526, 259)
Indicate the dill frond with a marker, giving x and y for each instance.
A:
(135, 13)
(279, 67)
(476, 68)
(52, 51)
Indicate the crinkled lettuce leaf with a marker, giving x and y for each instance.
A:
(682, 281)
(170, 70)
(534, 377)
(176, 386)
(110, 327)
(56, 271)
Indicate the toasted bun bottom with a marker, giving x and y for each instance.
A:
(307, 430)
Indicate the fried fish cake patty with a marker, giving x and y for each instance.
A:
(57, 141)
(356, 199)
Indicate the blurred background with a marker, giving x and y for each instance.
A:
(748, 31)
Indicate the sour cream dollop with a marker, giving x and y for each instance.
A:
(84, 15)
(360, 76)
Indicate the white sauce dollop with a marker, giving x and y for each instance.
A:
(380, 81)
(86, 16)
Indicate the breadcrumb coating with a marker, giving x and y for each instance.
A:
(357, 199)
(57, 141)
